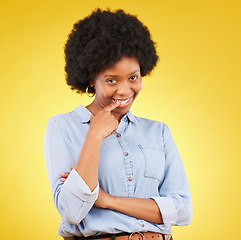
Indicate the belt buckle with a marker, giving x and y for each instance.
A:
(143, 238)
(168, 236)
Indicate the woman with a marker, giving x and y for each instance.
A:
(126, 173)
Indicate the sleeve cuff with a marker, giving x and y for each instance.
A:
(167, 209)
(77, 186)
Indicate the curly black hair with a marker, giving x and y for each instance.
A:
(100, 40)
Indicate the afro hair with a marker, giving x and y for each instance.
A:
(100, 40)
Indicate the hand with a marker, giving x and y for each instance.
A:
(104, 124)
(64, 175)
(104, 199)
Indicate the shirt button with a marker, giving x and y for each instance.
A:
(129, 179)
(142, 225)
(126, 153)
(118, 135)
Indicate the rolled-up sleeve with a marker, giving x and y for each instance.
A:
(174, 200)
(73, 198)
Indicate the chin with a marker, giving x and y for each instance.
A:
(121, 111)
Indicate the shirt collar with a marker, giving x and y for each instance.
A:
(131, 117)
(83, 114)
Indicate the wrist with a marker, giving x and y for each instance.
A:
(94, 134)
(112, 203)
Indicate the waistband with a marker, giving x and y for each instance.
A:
(126, 236)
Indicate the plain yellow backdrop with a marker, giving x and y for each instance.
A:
(195, 89)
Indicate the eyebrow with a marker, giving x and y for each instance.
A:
(109, 75)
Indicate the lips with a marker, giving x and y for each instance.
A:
(123, 102)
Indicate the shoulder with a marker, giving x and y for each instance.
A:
(79, 112)
(152, 132)
(69, 120)
(149, 123)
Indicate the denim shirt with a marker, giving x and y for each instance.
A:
(139, 160)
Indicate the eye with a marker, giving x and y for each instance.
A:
(133, 78)
(111, 81)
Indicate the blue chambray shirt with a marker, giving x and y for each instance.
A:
(139, 160)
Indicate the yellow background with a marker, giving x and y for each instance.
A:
(195, 90)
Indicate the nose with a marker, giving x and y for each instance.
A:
(123, 88)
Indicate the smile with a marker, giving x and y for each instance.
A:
(124, 102)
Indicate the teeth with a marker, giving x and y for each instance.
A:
(122, 102)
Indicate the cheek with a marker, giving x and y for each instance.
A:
(109, 92)
(137, 87)
(103, 91)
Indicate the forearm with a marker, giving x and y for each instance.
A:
(145, 209)
(88, 160)
(102, 125)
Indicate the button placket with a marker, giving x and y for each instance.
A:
(129, 174)
(128, 164)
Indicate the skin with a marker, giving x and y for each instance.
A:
(120, 82)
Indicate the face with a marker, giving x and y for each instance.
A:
(120, 83)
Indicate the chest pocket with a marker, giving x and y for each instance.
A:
(154, 162)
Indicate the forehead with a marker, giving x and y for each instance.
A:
(125, 66)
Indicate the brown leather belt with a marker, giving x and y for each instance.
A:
(130, 236)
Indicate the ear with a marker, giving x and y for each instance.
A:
(91, 83)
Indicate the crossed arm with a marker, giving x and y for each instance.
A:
(141, 208)
(101, 126)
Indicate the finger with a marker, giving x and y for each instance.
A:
(64, 174)
(71, 168)
(62, 179)
(111, 106)
(111, 133)
(91, 117)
